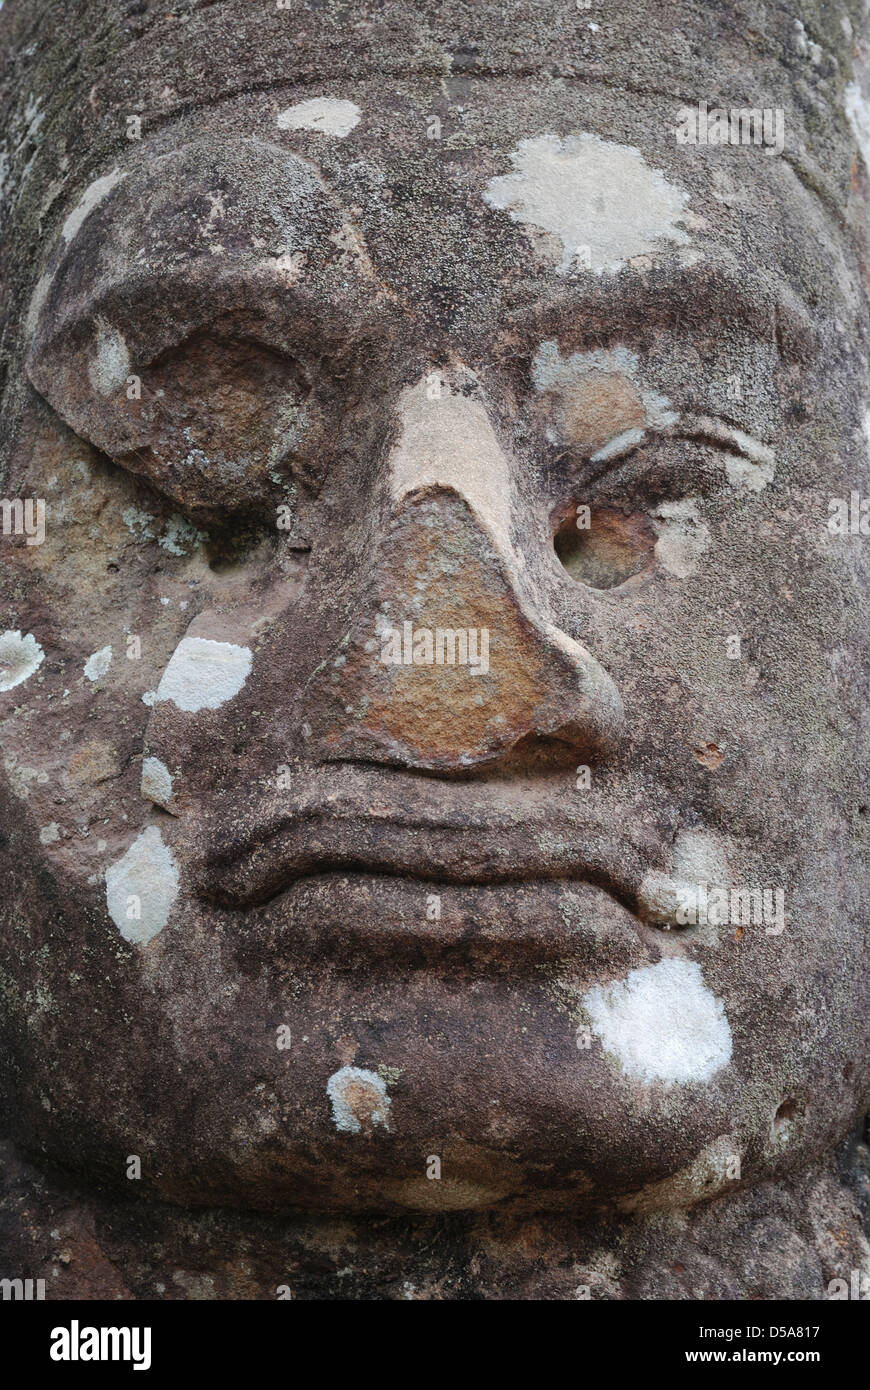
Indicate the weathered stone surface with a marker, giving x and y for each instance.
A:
(784, 1240)
(327, 362)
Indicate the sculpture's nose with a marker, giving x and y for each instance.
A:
(452, 661)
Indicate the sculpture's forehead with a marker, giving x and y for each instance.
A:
(319, 223)
(460, 188)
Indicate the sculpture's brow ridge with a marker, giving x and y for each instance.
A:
(762, 304)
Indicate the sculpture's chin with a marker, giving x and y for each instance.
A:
(383, 1085)
(374, 1043)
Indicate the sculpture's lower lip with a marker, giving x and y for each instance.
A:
(355, 917)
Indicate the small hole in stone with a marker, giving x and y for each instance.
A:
(611, 549)
(848, 1071)
(784, 1116)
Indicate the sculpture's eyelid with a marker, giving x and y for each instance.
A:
(683, 460)
(306, 367)
(726, 441)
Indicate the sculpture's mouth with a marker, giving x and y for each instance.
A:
(355, 918)
(308, 846)
(406, 859)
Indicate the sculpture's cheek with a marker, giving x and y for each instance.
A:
(662, 1024)
(20, 656)
(141, 888)
(203, 674)
(359, 1100)
(97, 665)
(156, 782)
(683, 536)
(110, 363)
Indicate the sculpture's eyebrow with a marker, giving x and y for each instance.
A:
(760, 304)
(156, 310)
(247, 235)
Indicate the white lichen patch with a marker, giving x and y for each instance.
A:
(601, 200)
(37, 300)
(753, 463)
(858, 112)
(328, 115)
(553, 372)
(156, 782)
(682, 536)
(20, 776)
(91, 198)
(700, 857)
(97, 665)
(662, 1023)
(628, 439)
(698, 860)
(19, 148)
(19, 658)
(805, 45)
(141, 888)
(354, 255)
(49, 834)
(109, 365)
(179, 536)
(747, 474)
(290, 265)
(138, 523)
(33, 115)
(203, 674)
(359, 1100)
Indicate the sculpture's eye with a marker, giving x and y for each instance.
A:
(603, 547)
(195, 319)
(219, 425)
(609, 520)
(590, 413)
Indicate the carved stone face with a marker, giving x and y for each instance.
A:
(436, 604)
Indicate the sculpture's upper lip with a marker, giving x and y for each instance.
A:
(420, 829)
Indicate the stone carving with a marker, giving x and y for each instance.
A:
(434, 714)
